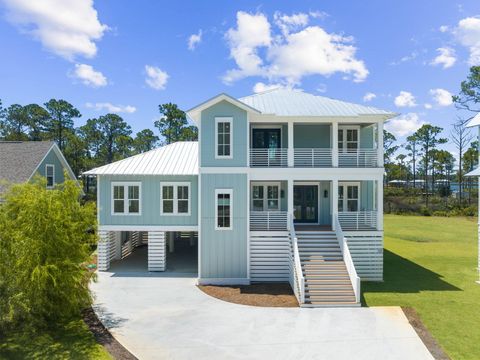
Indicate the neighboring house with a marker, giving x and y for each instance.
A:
(20, 161)
(276, 187)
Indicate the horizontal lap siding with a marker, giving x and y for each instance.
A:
(269, 256)
(157, 260)
(367, 254)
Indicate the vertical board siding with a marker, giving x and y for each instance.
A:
(224, 252)
(150, 201)
(366, 137)
(157, 260)
(105, 249)
(207, 135)
(325, 215)
(366, 249)
(367, 191)
(269, 256)
(311, 136)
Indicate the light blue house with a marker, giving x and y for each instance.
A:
(281, 186)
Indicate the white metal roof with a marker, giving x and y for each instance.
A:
(475, 121)
(180, 158)
(292, 102)
(475, 172)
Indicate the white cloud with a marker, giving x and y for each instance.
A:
(194, 40)
(468, 34)
(156, 78)
(443, 28)
(405, 99)
(109, 107)
(404, 125)
(66, 27)
(369, 96)
(441, 97)
(261, 87)
(322, 88)
(427, 106)
(412, 56)
(446, 57)
(89, 76)
(289, 55)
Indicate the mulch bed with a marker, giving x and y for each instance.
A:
(266, 295)
(432, 345)
(104, 338)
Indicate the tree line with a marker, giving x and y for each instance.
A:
(100, 141)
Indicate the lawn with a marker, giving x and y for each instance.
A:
(430, 265)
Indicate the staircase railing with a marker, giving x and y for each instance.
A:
(347, 259)
(297, 281)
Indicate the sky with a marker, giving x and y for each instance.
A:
(128, 57)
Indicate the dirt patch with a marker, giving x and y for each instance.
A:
(104, 338)
(427, 338)
(266, 295)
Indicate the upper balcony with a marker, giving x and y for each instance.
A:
(318, 145)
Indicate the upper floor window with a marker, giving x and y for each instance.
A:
(126, 198)
(50, 175)
(348, 139)
(223, 137)
(223, 209)
(175, 198)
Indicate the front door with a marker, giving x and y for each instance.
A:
(305, 203)
(266, 138)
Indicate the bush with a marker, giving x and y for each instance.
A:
(44, 246)
(425, 211)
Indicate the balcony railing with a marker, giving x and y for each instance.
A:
(358, 158)
(269, 157)
(313, 157)
(358, 220)
(268, 220)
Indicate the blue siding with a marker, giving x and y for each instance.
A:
(366, 137)
(52, 159)
(325, 214)
(367, 197)
(150, 202)
(311, 136)
(207, 135)
(223, 252)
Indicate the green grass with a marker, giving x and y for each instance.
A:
(73, 341)
(430, 264)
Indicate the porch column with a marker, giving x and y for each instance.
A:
(290, 150)
(380, 144)
(334, 192)
(156, 251)
(290, 197)
(335, 144)
(105, 249)
(379, 184)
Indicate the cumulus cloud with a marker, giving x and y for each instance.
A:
(261, 87)
(369, 96)
(441, 97)
(156, 77)
(443, 28)
(109, 107)
(404, 125)
(405, 99)
(194, 40)
(287, 55)
(468, 34)
(68, 28)
(446, 57)
(89, 76)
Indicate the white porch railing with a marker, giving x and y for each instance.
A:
(347, 259)
(358, 220)
(313, 157)
(268, 220)
(357, 158)
(269, 157)
(296, 279)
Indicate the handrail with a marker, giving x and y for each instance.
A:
(297, 281)
(347, 259)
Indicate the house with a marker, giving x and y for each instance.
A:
(281, 186)
(20, 161)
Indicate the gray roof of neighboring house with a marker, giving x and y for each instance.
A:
(291, 102)
(19, 159)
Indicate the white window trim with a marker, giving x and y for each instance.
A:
(223, 191)
(265, 199)
(175, 185)
(125, 185)
(344, 138)
(345, 184)
(218, 120)
(47, 166)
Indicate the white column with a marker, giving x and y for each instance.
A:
(334, 191)
(335, 144)
(380, 144)
(290, 197)
(290, 144)
(379, 184)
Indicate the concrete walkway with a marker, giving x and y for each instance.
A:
(165, 316)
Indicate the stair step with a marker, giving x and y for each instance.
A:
(332, 299)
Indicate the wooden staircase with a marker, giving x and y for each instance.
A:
(327, 283)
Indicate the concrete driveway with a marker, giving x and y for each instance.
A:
(165, 316)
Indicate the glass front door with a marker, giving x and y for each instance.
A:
(266, 138)
(305, 203)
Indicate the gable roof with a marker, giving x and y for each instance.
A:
(292, 102)
(180, 158)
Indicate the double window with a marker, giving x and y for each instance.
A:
(348, 139)
(175, 198)
(223, 137)
(223, 209)
(50, 175)
(265, 197)
(126, 198)
(348, 197)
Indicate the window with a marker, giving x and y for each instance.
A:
(348, 197)
(223, 138)
(50, 175)
(223, 209)
(175, 198)
(348, 139)
(126, 198)
(265, 197)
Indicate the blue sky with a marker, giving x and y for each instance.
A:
(130, 56)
